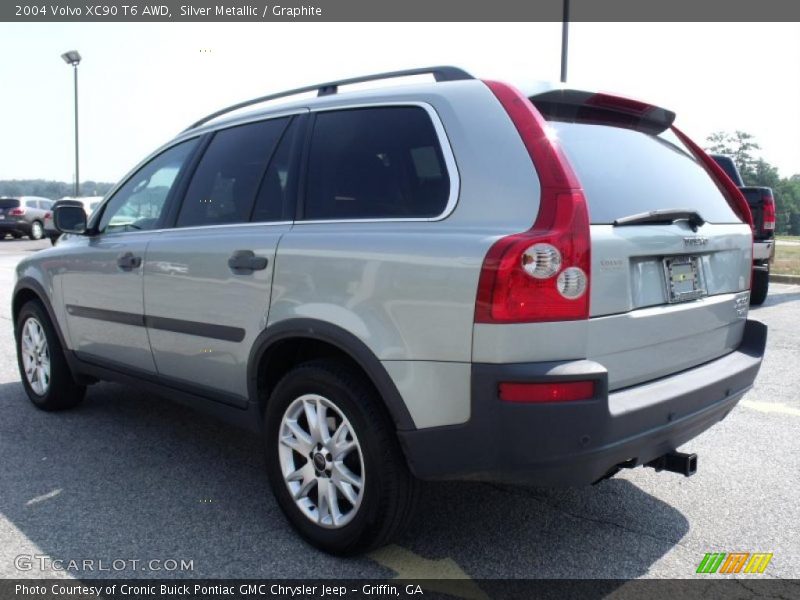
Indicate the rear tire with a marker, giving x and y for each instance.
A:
(760, 288)
(37, 231)
(370, 511)
(43, 368)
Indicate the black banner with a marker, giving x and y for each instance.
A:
(405, 10)
(706, 588)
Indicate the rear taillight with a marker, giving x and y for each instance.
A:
(542, 274)
(732, 194)
(557, 391)
(17, 212)
(47, 215)
(768, 221)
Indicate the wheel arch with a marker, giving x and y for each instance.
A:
(325, 339)
(28, 289)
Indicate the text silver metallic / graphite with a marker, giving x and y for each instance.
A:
(263, 12)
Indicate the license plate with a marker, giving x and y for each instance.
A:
(683, 278)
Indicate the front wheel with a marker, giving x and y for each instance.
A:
(43, 368)
(760, 288)
(333, 459)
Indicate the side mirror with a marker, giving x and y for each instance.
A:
(70, 219)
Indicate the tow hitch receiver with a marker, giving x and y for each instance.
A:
(675, 462)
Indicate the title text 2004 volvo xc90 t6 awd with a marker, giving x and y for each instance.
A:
(445, 280)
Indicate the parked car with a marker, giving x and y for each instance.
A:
(447, 280)
(762, 206)
(89, 204)
(24, 215)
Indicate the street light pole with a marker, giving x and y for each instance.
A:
(564, 41)
(73, 58)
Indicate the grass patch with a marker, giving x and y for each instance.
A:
(787, 260)
(788, 238)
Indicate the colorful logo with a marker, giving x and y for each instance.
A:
(734, 562)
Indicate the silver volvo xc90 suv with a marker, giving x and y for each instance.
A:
(454, 279)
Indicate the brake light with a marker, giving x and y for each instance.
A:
(620, 103)
(17, 212)
(733, 194)
(542, 274)
(768, 221)
(558, 391)
(48, 214)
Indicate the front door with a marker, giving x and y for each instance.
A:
(102, 280)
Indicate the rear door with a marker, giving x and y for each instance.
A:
(208, 280)
(665, 295)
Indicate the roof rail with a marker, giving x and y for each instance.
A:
(442, 73)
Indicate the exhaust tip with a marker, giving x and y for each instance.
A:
(675, 462)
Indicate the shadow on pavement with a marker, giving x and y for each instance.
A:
(774, 299)
(131, 476)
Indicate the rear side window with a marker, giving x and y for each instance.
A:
(374, 163)
(625, 172)
(224, 186)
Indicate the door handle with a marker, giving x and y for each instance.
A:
(245, 261)
(128, 261)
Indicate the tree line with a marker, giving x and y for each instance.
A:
(742, 147)
(51, 189)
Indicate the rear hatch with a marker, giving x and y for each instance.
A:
(6, 205)
(670, 257)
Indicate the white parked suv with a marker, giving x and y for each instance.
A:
(448, 280)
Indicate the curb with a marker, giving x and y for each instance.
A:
(794, 279)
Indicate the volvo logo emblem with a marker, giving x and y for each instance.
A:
(695, 241)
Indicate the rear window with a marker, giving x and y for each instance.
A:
(624, 172)
(9, 203)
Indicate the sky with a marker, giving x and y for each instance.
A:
(140, 84)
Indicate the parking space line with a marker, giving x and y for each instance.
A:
(771, 407)
(441, 575)
(43, 497)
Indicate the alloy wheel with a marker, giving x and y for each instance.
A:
(321, 461)
(35, 356)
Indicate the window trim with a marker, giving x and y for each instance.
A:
(444, 143)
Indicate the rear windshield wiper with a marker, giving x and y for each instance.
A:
(665, 215)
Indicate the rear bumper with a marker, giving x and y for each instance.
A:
(577, 443)
(17, 226)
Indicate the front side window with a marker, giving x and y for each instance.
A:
(375, 163)
(139, 203)
(224, 186)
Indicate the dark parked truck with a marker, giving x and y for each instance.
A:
(762, 205)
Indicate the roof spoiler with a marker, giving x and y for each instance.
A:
(607, 109)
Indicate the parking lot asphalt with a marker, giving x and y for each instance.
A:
(131, 476)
